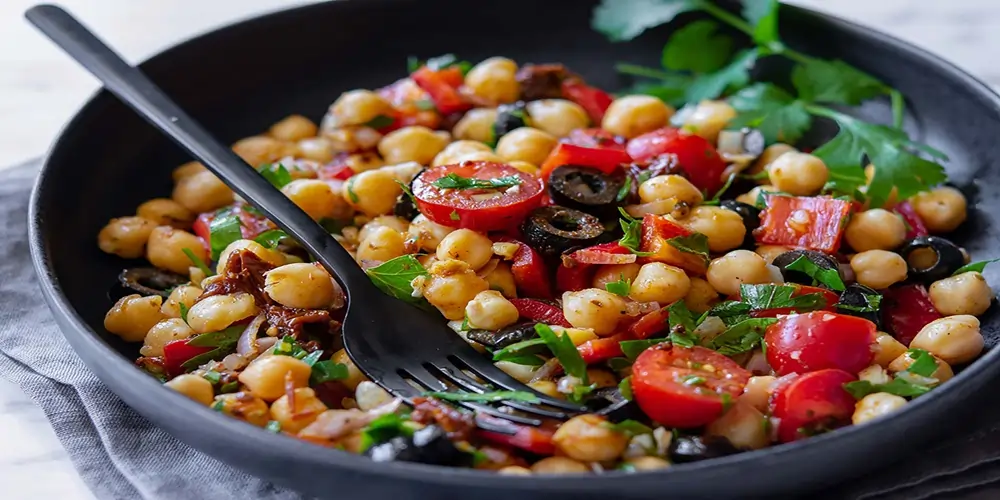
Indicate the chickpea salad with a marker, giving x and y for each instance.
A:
(668, 256)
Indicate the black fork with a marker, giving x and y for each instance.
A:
(402, 348)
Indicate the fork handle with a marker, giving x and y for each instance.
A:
(148, 100)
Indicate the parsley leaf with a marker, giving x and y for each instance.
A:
(521, 348)
(632, 229)
(768, 108)
(288, 346)
(380, 121)
(455, 181)
(735, 75)
(224, 342)
(385, 428)
(184, 311)
(224, 229)
(633, 348)
(975, 266)
(764, 297)
(695, 243)
(629, 427)
(828, 277)
(923, 365)
(763, 16)
(271, 238)
(682, 325)
(625, 190)
(212, 376)
(276, 174)
(697, 47)
(325, 371)
(625, 387)
(350, 189)
(834, 82)
(563, 349)
(623, 20)
(486, 397)
(897, 386)
(742, 337)
(621, 287)
(731, 312)
(425, 105)
(200, 264)
(395, 275)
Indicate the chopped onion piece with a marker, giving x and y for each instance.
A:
(246, 346)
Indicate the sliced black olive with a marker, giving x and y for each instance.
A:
(429, 445)
(609, 402)
(822, 260)
(506, 336)
(553, 229)
(741, 146)
(695, 448)
(949, 258)
(751, 219)
(509, 117)
(861, 301)
(150, 281)
(586, 189)
(405, 207)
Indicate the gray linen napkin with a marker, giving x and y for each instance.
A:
(121, 455)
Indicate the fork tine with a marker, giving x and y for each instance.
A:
(459, 378)
(489, 410)
(423, 377)
(396, 385)
(485, 369)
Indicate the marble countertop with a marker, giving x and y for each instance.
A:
(40, 89)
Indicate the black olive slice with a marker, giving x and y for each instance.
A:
(506, 336)
(609, 402)
(949, 258)
(822, 260)
(751, 219)
(405, 206)
(695, 448)
(861, 301)
(509, 117)
(150, 281)
(586, 189)
(429, 445)
(553, 229)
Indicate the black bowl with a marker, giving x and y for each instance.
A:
(240, 79)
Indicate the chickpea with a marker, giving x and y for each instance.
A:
(304, 286)
(874, 374)
(314, 197)
(615, 272)
(501, 279)
(601, 377)
(166, 245)
(404, 172)
(875, 229)
(215, 313)
(878, 268)
(188, 169)
(750, 197)
(194, 387)
(258, 150)
(166, 330)
(265, 376)
(770, 252)
(294, 128)
(476, 125)
(132, 316)
(658, 282)
(799, 174)
(942, 209)
(742, 425)
(414, 143)
(514, 470)
(558, 117)
(382, 244)
(521, 373)
(271, 256)
(370, 396)
(126, 237)
(954, 339)
(354, 375)
(352, 138)
(576, 335)
(357, 107)
(457, 149)
(738, 267)
(525, 167)
(243, 406)
(165, 212)
(757, 392)
(967, 293)
(547, 387)
(184, 294)
(398, 223)
(876, 405)
(428, 234)
(494, 80)
(709, 118)
(766, 158)
(202, 192)
(667, 187)
(466, 245)
(592, 308)
(526, 144)
(587, 438)
(647, 463)
(316, 149)
(887, 348)
(943, 372)
(701, 296)
(451, 286)
(559, 465)
(294, 419)
(634, 115)
(373, 192)
(724, 228)
(489, 310)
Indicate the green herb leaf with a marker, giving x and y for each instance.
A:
(696, 243)
(441, 62)
(897, 386)
(766, 107)
(385, 428)
(184, 311)
(526, 360)
(455, 181)
(975, 266)
(630, 428)
(288, 346)
(625, 190)
(682, 325)
(407, 191)
(625, 387)
(412, 64)
(380, 121)
(425, 105)
(733, 76)
(763, 16)
(225, 338)
(230, 387)
(618, 364)
(219, 406)
(273, 426)
(276, 174)
(350, 189)
(672, 90)
(200, 264)
(311, 358)
(623, 20)
(697, 47)
(764, 297)
(742, 337)
(486, 397)
(633, 348)
(212, 376)
(325, 371)
(692, 380)
(563, 349)
(454, 215)
(632, 229)
(621, 287)
(395, 275)
(271, 238)
(521, 348)
(835, 82)
(924, 363)
(872, 303)
(828, 277)
(223, 230)
(731, 312)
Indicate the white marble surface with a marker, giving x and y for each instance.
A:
(40, 89)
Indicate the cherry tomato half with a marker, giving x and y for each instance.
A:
(477, 209)
(595, 138)
(802, 343)
(685, 386)
(812, 403)
(695, 156)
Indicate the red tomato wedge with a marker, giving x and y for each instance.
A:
(443, 89)
(531, 275)
(812, 403)
(603, 159)
(592, 99)
(802, 343)
(477, 209)
(574, 279)
(696, 156)
(595, 138)
(657, 231)
(542, 312)
(816, 223)
(605, 253)
(915, 227)
(178, 352)
(404, 95)
(673, 387)
(906, 310)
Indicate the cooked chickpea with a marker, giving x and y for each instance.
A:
(887, 348)
(243, 406)
(586, 438)
(187, 169)
(709, 118)
(526, 144)
(314, 197)
(955, 339)
(294, 128)
(770, 252)
(878, 268)
(265, 376)
(666, 187)
(701, 296)
(215, 313)
(738, 267)
(501, 279)
(194, 387)
(942, 209)
(559, 465)
(428, 234)
(489, 310)
(466, 245)
(414, 143)
(521, 373)
(799, 174)
(593, 308)
(525, 167)
(875, 229)
(202, 192)
(126, 237)
(766, 158)
(357, 107)
(967, 293)
(514, 470)
(294, 419)
(369, 396)
(601, 377)
(271, 256)
(166, 245)
(165, 212)
(316, 149)
(451, 286)
(404, 172)
(184, 294)
(615, 272)
(382, 244)
(457, 149)
(373, 192)
(724, 228)
(876, 405)
(132, 316)
(476, 125)
(750, 197)
(398, 223)
(558, 117)
(494, 80)
(658, 282)
(167, 330)
(547, 387)
(576, 335)
(634, 115)
(874, 374)
(258, 150)
(757, 392)
(352, 138)
(943, 372)
(743, 425)
(354, 374)
(304, 286)
(647, 463)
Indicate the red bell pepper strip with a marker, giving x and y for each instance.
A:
(605, 160)
(536, 440)
(336, 170)
(542, 312)
(595, 138)
(605, 253)
(914, 224)
(440, 86)
(657, 233)
(178, 352)
(531, 275)
(650, 324)
(815, 223)
(574, 279)
(598, 350)
(593, 100)
(906, 310)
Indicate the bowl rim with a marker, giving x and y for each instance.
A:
(231, 430)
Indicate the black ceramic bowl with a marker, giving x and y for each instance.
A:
(240, 79)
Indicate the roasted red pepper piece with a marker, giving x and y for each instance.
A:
(178, 352)
(603, 159)
(906, 310)
(592, 99)
(816, 223)
(598, 350)
(541, 312)
(596, 138)
(531, 275)
(695, 156)
(657, 231)
(537, 440)
(576, 278)
(336, 170)
(915, 227)
(442, 87)
(605, 253)
(650, 324)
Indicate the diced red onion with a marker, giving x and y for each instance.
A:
(246, 346)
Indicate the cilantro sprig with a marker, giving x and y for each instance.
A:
(828, 277)
(975, 266)
(903, 384)
(394, 277)
(564, 350)
(632, 237)
(621, 287)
